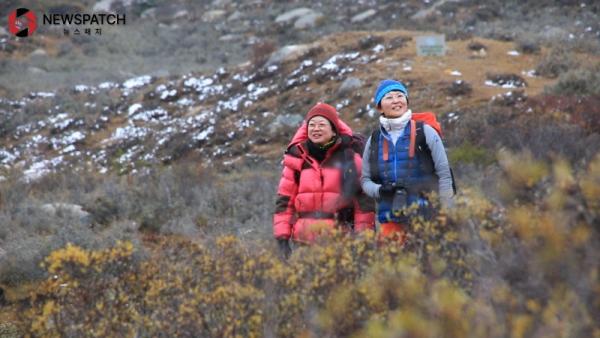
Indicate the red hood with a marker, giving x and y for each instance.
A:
(302, 132)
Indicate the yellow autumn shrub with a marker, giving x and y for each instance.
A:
(527, 267)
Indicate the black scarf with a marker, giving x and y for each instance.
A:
(318, 151)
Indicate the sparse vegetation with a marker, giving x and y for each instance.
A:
(578, 82)
(478, 270)
(557, 61)
(166, 201)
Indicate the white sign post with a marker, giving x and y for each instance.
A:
(431, 45)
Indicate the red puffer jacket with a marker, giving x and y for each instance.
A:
(310, 193)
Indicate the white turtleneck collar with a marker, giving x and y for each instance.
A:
(395, 126)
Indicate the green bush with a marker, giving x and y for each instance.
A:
(469, 153)
(579, 82)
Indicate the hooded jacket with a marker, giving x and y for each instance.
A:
(311, 195)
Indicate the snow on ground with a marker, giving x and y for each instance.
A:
(133, 108)
(137, 82)
(41, 167)
(128, 132)
(67, 139)
(7, 157)
(204, 86)
(151, 115)
(203, 135)
(507, 85)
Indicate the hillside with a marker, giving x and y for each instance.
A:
(215, 117)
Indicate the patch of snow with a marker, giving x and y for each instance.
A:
(41, 168)
(68, 149)
(378, 49)
(231, 104)
(137, 82)
(254, 91)
(241, 78)
(107, 85)
(6, 157)
(452, 117)
(203, 135)
(67, 139)
(185, 102)
(513, 53)
(75, 136)
(129, 132)
(133, 108)
(456, 73)
(244, 123)
(529, 73)
(128, 156)
(204, 86)
(81, 88)
(507, 85)
(407, 68)
(168, 93)
(43, 94)
(63, 124)
(148, 115)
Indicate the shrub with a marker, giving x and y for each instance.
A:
(579, 82)
(556, 62)
(469, 153)
(528, 46)
(523, 269)
(261, 52)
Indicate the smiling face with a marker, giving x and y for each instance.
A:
(320, 130)
(393, 104)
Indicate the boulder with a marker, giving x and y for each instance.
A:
(309, 21)
(363, 16)
(3, 31)
(286, 120)
(36, 70)
(349, 85)
(73, 210)
(213, 15)
(237, 15)
(293, 15)
(288, 53)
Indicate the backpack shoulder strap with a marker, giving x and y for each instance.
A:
(420, 141)
(373, 155)
(421, 149)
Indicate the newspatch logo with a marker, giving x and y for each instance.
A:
(22, 22)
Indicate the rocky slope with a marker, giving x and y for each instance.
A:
(245, 114)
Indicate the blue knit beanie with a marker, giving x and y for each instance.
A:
(387, 86)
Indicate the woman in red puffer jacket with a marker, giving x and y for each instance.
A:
(319, 188)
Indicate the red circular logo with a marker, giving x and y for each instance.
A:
(22, 22)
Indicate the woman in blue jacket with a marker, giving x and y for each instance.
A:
(403, 161)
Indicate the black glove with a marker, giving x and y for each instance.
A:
(284, 247)
(387, 190)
